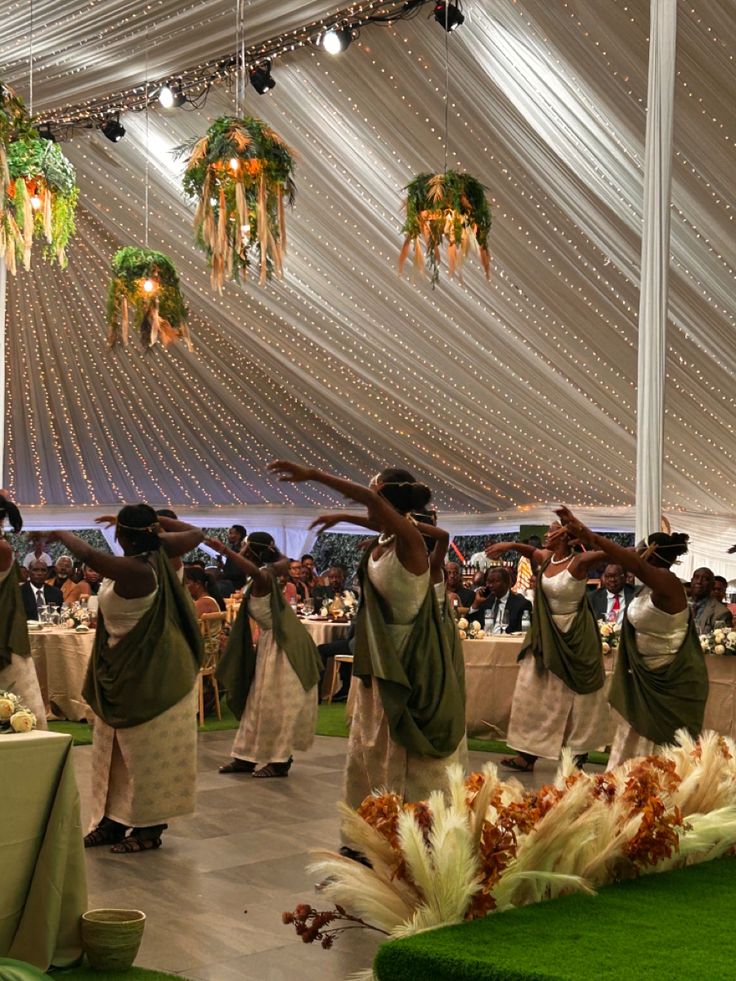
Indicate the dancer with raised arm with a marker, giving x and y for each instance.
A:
(141, 682)
(409, 714)
(559, 699)
(17, 670)
(660, 683)
(271, 688)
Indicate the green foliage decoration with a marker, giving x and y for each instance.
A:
(148, 282)
(239, 173)
(448, 208)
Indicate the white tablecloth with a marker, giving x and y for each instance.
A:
(44, 886)
(325, 632)
(61, 657)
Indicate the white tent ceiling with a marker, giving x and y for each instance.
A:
(503, 396)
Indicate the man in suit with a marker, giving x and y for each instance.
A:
(335, 577)
(707, 610)
(507, 608)
(36, 592)
(610, 601)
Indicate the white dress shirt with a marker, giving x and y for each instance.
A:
(610, 597)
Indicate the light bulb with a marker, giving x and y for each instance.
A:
(166, 97)
(148, 286)
(233, 163)
(213, 202)
(36, 202)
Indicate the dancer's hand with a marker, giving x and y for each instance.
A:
(108, 520)
(216, 545)
(494, 551)
(574, 527)
(292, 472)
(325, 521)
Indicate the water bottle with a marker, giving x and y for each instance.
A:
(526, 621)
(488, 625)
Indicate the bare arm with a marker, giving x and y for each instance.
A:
(538, 555)
(261, 577)
(132, 577)
(325, 521)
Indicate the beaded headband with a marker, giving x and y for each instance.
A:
(154, 528)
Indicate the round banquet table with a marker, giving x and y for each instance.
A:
(61, 656)
(325, 631)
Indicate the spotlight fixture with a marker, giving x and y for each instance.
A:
(171, 98)
(335, 41)
(448, 15)
(260, 78)
(113, 129)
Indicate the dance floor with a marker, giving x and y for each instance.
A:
(246, 849)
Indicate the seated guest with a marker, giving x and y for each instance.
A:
(63, 578)
(720, 589)
(454, 584)
(342, 646)
(296, 576)
(631, 579)
(38, 553)
(707, 611)
(287, 586)
(310, 573)
(506, 607)
(232, 575)
(195, 579)
(93, 579)
(37, 593)
(610, 601)
(335, 586)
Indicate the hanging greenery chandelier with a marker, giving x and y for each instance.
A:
(148, 282)
(239, 173)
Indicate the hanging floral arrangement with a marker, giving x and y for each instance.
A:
(43, 191)
(148, 282)
(15, 124)
(239, 174)
(449, 208)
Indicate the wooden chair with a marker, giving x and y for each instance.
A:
(337, 660)
(210, 625)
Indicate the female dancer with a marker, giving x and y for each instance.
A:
(271, 689)
(141, 682)
(17, 671)
(409, 718)
(559, 697)
(660, 683)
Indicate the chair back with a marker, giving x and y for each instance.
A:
(211, 626)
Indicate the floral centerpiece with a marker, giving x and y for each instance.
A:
(490, 845)
(610, 635)
(721, 641)
(77, 615)
(451, 209)
(239, 174)
(343, 606)
(14, 716)
(43, 190)
(15, 124)
(148, 282)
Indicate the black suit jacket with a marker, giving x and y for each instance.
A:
(515, 606)
(599, 600)
(51, 594)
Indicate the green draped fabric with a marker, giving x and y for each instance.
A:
(154, 665)
(576, 656)
(237, 666)
(421, 681)
(656, 702)
(13, 624)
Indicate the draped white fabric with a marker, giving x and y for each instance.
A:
(506, 397)
(655, 261)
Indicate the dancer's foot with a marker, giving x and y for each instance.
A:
(238, 766)
(519, 764)
(140, 840)
(580, 760)
(275, 769)
(107, 832)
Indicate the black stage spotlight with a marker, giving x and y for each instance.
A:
(260, 78)
(171, 98)
(335, 41)
(448, 15)
(113, 129)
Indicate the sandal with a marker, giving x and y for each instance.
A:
(275, 769)
(140, 840)
(512, 763)
(237, 766)
(107, 832)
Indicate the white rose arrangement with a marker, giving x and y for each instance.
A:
(610, 635)
(719, 642)
(14, 716)
(462, 624)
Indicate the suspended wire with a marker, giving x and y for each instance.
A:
(145, 205)
(30, 63)
(447, 80)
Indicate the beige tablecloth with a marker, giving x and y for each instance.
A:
(44, 887)
(324, 632)
(61, 657)
(490, 676)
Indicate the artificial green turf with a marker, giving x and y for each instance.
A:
(665, 927)
(134, 974)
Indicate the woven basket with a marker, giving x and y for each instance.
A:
(111, 937)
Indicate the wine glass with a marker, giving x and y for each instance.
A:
(307, 607)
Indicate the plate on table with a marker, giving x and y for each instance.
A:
(34, 625)
(317, 619)
(81, 629)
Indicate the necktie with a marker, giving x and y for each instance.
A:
(40, 601)
(616, 603)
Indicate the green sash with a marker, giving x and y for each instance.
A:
(422, 682)
(237, 666)
(657, 702)
(576, 656)
(154, 665)
(13, 624)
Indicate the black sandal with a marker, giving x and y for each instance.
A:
(512, 763)
(275, 769)
(107, 832)
(140, 840)
(237, 766)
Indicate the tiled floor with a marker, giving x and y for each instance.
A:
(214, 893)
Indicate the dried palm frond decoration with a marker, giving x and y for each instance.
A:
(446, 208)
(43, 191)
(148, 282)
(239, 173)
(15, 124)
